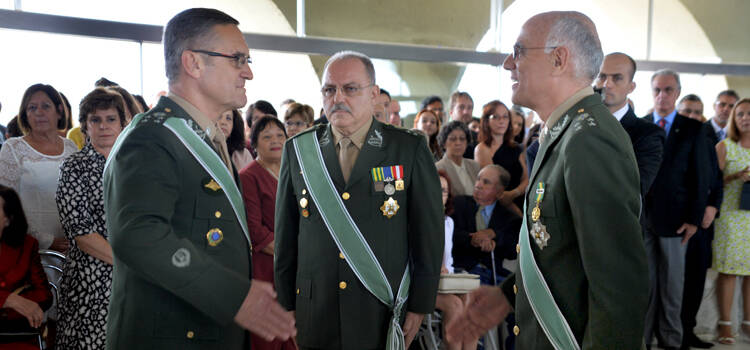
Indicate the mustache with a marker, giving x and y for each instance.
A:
(339, 107)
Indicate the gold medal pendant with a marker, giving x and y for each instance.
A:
(389, 208)
(214, 236)
(540, 234)
(535, 214)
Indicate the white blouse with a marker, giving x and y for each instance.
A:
(34, 176)
(448, 251)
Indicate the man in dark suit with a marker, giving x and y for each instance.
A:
(482, 226)
(698, 254)
(182, 274)
(582, 280)
(616, 78)
(364, 190)
(675, 205)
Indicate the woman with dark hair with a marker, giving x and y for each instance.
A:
(429, 122)
(31, 164)
(24, 291)
(87, 274)
(462, 172)
(255, 111)
(496, 146)
(518, 122)
(259, 182)
(230, 123)
(298, 117)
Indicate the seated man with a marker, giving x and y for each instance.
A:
(482, 226)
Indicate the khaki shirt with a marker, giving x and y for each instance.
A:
(210, 127)
(358, 138)
(562, 108)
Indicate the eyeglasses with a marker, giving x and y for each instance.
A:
(518, 50)
(295, 124)
(239, 59)
(350, 90)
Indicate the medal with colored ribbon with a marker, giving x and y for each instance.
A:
(537, 212)
(388, 179)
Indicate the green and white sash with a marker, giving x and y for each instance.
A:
(348, 237)
(206, 157)
(540, 297)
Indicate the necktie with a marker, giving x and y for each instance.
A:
(663, 123)
(219, 142)
(721, 134)
(346, 157)
(481, 224)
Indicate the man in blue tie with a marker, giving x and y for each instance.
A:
(675, 207)
(723, 107)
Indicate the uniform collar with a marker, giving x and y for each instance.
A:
(358, 137)
(567, 104)
(203, 121)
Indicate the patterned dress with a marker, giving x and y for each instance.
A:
(731, 245)
(85, 286)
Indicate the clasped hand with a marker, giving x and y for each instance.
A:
(261, 314)
(483, 240)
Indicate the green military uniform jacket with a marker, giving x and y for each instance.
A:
(171, 289)
(333, 308)
(595, 261)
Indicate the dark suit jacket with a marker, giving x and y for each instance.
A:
(308, 268)
(716, 187)
(503, 222)
(170, 288)
(648, 144)
(680, 190)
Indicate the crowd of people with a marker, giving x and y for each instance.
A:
(58, 191)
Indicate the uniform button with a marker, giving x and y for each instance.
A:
(190, 335)
(297, 291)
(167, 110)
(342, 285)
(516, 330)
(515, 289)
(341, 256)
(304, 191)
(518, 248)
(217, 214)
(345, 196)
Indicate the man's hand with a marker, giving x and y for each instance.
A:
(411, 326)
(687, 230)
(27, 308)
(487, 245)
(262, 315)
(486, 308)
(477, 238)
(708, 216)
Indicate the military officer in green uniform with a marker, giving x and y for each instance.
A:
(359, 222)
(182, 275)
(582, 279)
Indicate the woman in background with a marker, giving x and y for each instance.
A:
(87, 274)
(259, 182)
(24, 290)
(31, 164)
(731, 245)
(298, 117)
(428, 121)
(230, 123)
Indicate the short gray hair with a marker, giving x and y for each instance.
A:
(503, 175)
(668, 72)
(343, 55)
(577, 32)
(185, 30)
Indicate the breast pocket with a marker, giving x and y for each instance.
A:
(212, 218)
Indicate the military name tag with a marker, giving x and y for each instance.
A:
(390, 207)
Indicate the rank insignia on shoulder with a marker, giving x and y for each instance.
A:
(212, 185)
(214, 236)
